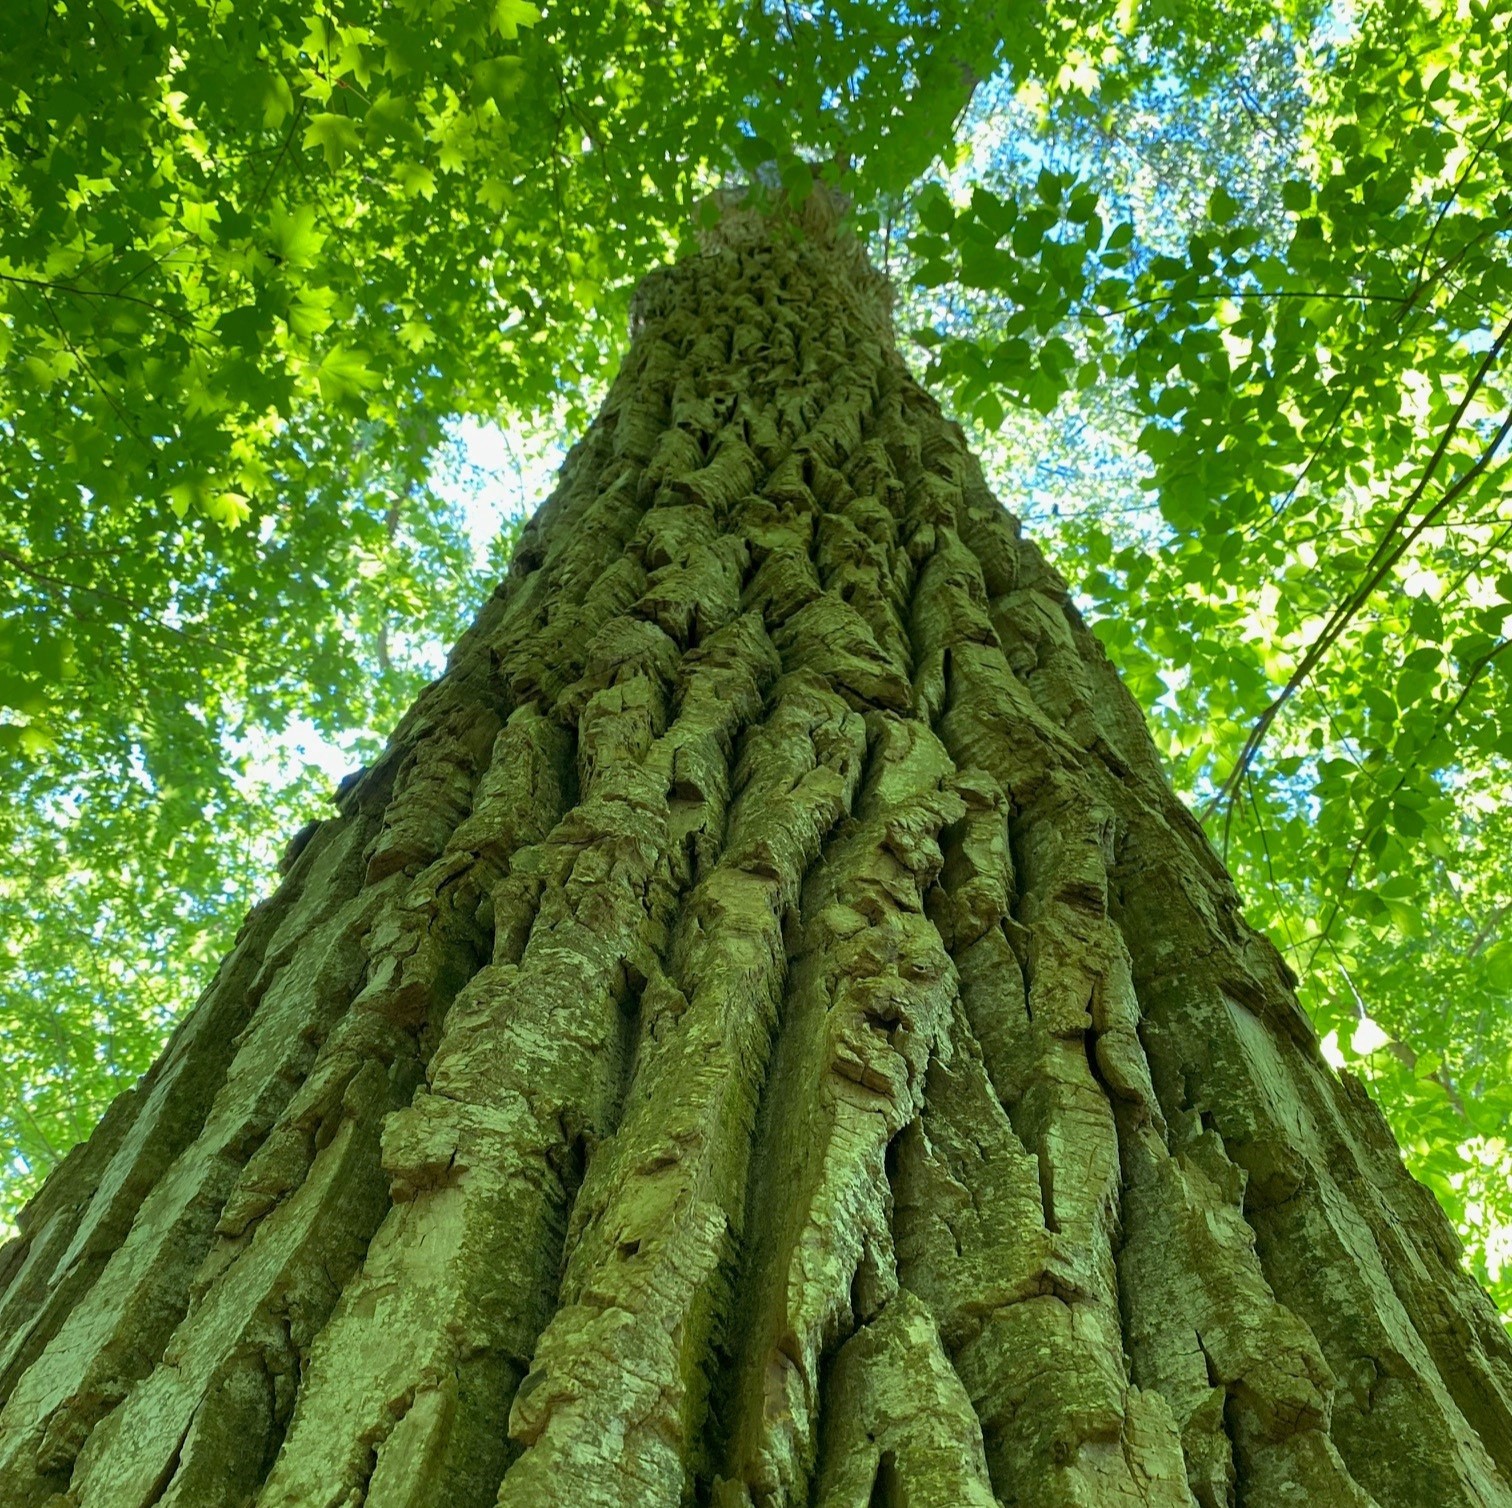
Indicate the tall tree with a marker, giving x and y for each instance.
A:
(1262, 423)
(764, 1033)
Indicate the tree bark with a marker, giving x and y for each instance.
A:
(764, 1034)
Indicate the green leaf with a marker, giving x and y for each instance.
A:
(414, 179)
(500, 79)
(228, 509)
(1222, 206)
(278, 101)
(309, 311)
(935, 211)
(344, 376)
(1296, 195)
(293, 235)
(336, 136)
(797, 180)
(1408, 820)
(510, 15)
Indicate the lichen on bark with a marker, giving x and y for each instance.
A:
(765, 1034)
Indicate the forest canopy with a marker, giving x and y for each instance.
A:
(1221, 293)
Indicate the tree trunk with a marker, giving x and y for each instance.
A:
(764, 1034)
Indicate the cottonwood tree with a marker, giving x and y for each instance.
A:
(764, 1033)
(1224, 292)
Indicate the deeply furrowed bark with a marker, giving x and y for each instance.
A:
(765, 1034)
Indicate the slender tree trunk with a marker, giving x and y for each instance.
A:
(764, 1034)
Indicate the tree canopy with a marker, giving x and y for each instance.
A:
(1222, 293)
